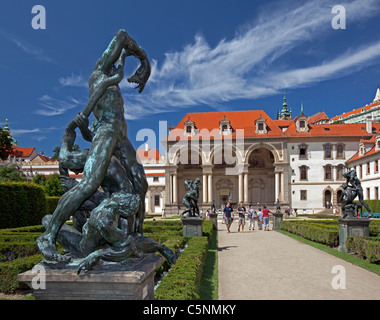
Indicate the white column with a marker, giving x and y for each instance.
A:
(281, 189)
(175, 191)
(149, 204)
(240, 187)
(205, 189)
(277, 186)
(210, 197)
(245, 188)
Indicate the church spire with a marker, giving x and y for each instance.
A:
(285, 114)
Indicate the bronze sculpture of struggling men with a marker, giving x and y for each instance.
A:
(190, 200)
(352, 189)
(111, 163)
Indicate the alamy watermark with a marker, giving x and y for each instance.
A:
(338, 21)
(339, 281)
(39, 20)
(39, 280)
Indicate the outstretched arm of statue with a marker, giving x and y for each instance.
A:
(122, 40)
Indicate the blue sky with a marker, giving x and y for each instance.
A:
(206, 56)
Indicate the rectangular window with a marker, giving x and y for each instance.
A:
(376, 193)
(339, 172)
(368, 168)
(155, 179)
(340, 151)
(328, 151)
(261, 126)
(368, 194)
(328, 174)
(376, 166)
(157, 200)
(303, 152)
(303, 195)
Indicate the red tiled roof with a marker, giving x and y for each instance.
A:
(45, 158)
(209, 122)
(333, 130)
(318, 117)
(356, 111)
(367, 154)
(21, 152)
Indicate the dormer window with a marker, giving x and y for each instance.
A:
(377, 146)
(225, 127)
(301, 123)
(260, 126)
(189, 128)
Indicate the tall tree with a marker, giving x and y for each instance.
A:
(5, 144)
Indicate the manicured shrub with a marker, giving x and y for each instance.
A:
(51, 204)
(21, 204)
(183, 281)
(366, 247)
(10, 270)
(325, 232)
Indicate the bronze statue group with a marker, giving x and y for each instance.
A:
(113, 185)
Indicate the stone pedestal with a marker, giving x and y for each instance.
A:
(357, 227)
(107, 281)
(277, 218)
(192, 227)
(214, 219)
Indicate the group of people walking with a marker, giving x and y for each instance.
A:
(261, 216)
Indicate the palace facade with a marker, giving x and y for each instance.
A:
(247, 156)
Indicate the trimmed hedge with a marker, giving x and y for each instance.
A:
(373, 204)
(51, 204)
(326, 232)
(10, 270)
(183, 281)
(366, 247)
(184, 277)
(21, 204)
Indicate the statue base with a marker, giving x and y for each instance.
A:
(107, 281)
(214, 219)
(192, 227)
(357, 227)
(277, 218)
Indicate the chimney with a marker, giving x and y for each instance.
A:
(368, 123)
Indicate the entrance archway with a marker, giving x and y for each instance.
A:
(327, 197)
(261, 182)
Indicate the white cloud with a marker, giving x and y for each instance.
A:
(250, 65)
(73, 81)
(19, 132)
(53, 107)
(25, 46)
(247, 66)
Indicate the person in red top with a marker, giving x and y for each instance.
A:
(266, 218)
